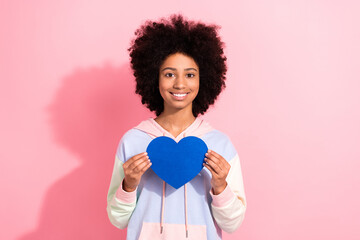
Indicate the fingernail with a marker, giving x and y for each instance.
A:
(206, 154)
(145, 153)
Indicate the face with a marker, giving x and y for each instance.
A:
(178, 82)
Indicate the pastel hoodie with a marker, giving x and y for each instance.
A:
(156, 210)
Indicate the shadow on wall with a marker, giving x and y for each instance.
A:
(89, 114)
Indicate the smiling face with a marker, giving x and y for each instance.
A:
(178, 82)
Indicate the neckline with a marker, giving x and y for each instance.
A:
(190, 127)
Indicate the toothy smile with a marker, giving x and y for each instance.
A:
(179, 94)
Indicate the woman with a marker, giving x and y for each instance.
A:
(180, 70)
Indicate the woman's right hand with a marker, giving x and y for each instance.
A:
(134, 168)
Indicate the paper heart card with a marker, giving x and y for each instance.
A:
(177, 163)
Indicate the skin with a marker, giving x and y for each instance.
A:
(178, 73)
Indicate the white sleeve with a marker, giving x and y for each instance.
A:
(120, 204)
(229, 206)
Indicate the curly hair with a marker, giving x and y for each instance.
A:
(155, 41)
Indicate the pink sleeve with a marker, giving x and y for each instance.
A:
(222, 199)
(125, 197)
(229, 206)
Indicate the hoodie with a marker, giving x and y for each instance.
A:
(156, 210)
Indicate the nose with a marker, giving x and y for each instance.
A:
(179, 82)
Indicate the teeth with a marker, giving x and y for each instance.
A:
(179, 95)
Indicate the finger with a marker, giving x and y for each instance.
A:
(213, 165)
(218, 159)
(139, 167)
(142, 169)
(224, 163)
(138, 156)
(135, 158)
(211, 158)
(146, 167)
(135, 164)
(212, 152)
(213, 173)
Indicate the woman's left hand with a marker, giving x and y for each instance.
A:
(219, 169)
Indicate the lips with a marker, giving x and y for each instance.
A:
(179, 96)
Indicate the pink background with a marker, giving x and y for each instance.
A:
(291, 107)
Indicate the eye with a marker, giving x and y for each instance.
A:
(169, 75)
(190, 75)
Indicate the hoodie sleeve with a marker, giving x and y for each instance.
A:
(229, 206)
(120, 204)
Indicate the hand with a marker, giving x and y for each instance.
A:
(134, 168)
(219, 169)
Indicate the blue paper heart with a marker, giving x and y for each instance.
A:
(177, 163)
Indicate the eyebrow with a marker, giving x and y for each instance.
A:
(174, 69)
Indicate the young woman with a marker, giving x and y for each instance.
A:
(180, 69)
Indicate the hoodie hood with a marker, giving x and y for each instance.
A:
(198, 128)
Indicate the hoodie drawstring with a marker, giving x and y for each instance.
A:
(186, 219)
(162, 205)
(186, 229)
(163, 208)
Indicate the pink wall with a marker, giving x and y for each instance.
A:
(291, 108)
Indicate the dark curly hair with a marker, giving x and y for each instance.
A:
(155, 41)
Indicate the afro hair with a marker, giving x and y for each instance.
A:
(155, 41)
